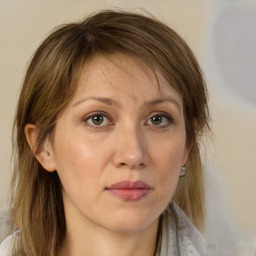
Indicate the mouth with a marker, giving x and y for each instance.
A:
(129, 191)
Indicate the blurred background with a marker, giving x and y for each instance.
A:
(222, 35)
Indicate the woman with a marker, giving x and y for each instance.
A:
(107, 130)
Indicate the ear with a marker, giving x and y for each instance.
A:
(44, 154)
(186, 154)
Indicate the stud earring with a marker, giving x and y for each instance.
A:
(183, 171)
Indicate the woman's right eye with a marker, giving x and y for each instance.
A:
(97, 120)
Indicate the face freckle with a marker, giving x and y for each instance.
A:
(93, 159)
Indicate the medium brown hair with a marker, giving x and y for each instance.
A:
(50, 83)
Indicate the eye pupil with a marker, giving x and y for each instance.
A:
(97, 119)
(156, 120)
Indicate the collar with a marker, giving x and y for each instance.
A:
(180, 238)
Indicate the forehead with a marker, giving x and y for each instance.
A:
(119, 74)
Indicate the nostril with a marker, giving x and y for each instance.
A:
(130, 158)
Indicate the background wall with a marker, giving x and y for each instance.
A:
(223, 36)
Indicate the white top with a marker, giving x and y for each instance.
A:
(7, 245)
(178, 238)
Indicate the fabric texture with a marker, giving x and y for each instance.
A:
(6, 246)
(178, 237)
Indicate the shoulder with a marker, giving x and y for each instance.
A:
(7, 245)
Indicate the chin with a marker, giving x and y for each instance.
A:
(129, 222)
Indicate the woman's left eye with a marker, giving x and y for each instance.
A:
(97, 120)
(159, 120)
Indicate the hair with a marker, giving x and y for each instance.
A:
(50, 83)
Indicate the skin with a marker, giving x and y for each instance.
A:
(125, 143)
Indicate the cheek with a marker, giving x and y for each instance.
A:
(168, 160)
(169, 154)
(167, 183)
(79, 163)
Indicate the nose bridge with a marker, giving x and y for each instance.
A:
(131, 146)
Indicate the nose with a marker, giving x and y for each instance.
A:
(131, 150)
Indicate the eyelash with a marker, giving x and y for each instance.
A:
(89, 120)
(97, 114)
(168, 120)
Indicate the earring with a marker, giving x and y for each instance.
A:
(183, 171)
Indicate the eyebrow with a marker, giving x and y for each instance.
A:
(112, 102)
(106, 101)
(162, 100)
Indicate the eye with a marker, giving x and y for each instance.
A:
(97, 120)
(159, 120)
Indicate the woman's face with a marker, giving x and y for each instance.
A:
(119, 145)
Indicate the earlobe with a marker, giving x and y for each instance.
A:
(44, 154)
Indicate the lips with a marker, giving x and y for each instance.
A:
(129, 191)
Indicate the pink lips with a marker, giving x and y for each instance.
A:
(130, 191)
